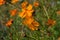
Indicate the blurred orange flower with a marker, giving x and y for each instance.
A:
(29, 7)
(9, 23)
(58, 12)
(31, 23)
(32, 27)
(28, 21)
(35, 23)
(29, 10)
(24, 4)
(22, 14)
(13, 12)
(14, 1)
(26, 12)
(28, 17)
(2, 2)
(36, 4)
(51, 22)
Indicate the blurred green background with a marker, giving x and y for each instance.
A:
(18, 31)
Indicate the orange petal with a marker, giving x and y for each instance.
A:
(29, 7)
(9, 22)
(29, 13)
(14, 1)
(35, 23)
(28, 21)
(22, 14)
(24, 4)
(32, 27)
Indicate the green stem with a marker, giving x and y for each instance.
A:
(44, 8)
(46, 12)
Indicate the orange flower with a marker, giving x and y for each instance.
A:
(29, 10)
(9, 22)
(58, 12)
(26, 12)
(2, 2)
(14, 1)
(32, 27)
(13, 12)
(31, 23)
(22, 14)
(35, 23)
(29, 13)
(28, 21)
(24, 4)
(28, 18)
(51, 22)
(29, 7)
(36, 4)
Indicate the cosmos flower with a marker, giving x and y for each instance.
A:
(51, 22)
(26, 12)
(28, 21)
(2, 2)
(36, 4)
(31, 23)
(9, 23)
(24, 4)
(13, 12)
(23, 13)
(28, 17)
(29, 7)
(34, 25)
(58, 12)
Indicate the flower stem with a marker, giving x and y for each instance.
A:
(46, 12)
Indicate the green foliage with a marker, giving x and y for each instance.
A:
(18, 31)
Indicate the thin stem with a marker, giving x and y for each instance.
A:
(46, 12)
